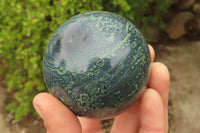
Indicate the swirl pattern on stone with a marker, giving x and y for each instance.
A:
(97, 64)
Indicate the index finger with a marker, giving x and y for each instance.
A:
(159, 81)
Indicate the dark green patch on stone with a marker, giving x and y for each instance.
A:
(97, 64)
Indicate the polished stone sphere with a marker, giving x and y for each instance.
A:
(97, 64)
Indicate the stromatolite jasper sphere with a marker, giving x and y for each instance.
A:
(97, 64)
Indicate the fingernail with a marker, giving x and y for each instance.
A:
(37, 107)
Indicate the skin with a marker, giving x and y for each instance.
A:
(148, 115)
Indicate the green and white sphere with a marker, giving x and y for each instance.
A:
(97, 64)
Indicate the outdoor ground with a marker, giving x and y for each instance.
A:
(183, 60)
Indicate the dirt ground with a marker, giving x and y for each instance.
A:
(9, 125)
(183, 61)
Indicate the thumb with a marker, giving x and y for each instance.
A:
(57, 117)
(152, 113)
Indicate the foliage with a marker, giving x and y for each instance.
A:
(27, 25)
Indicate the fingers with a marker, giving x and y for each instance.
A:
(159, 80)
(57, 117)
(128, 122)
(90, 125)
(152, 113)
(152, 53)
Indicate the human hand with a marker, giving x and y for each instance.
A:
(148, 115)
